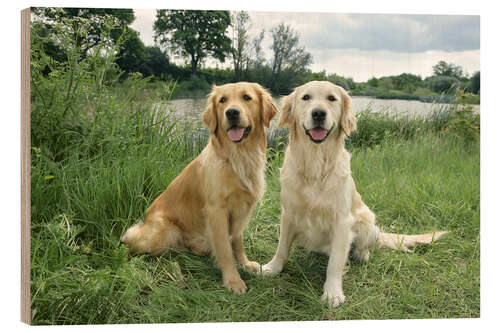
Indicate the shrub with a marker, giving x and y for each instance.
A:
(464, 123)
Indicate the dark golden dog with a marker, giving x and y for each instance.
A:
(207, 207)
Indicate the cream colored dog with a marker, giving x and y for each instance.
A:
(320, 206)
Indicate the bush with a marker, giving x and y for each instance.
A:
(464, 123)
(441, 84)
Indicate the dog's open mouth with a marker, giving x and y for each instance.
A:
(237, 134)
(317, 134)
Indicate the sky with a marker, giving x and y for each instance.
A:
(362, 46)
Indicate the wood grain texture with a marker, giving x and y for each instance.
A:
(25, 166)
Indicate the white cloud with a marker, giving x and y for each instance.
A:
(365, 45)
(143, 23)
(362, 65)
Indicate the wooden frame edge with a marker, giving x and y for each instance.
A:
(25, 166)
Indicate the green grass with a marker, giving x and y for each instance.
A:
(100, 156)
(80, 274)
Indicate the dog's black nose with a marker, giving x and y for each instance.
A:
(232, 114)
(318, 115)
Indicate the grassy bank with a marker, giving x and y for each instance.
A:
(416, 176)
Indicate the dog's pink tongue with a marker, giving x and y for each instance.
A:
(235, 133)
(318, 133)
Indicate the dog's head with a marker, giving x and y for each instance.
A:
(238, 111)
(318, 109)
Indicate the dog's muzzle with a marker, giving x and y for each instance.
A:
(236, 133)
(317, 134)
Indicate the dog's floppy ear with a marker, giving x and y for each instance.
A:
(286, 117)
(209, 116)
(268, 107)
(347, 120)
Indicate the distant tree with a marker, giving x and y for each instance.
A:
(258, 71)
(132, 53)
(289, 58)
(259, 58)
(406, 81)
(373, 82)
(346, 83)
(442, 84)
(385, 83)
(194, 34)
(240, 48)
(443, 68)
(156, 63)
(474, 84)
(316, 76)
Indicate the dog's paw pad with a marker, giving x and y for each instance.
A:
(236, 286)
(269, 270)
(333, 299)
(252, 266)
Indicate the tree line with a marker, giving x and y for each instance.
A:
(195, 37)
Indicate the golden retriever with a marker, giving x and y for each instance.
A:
(207, 207)
(320, 207)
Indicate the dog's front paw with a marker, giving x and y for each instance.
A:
(270, 269)
(334, 298)
(236, 286)
(252, 266)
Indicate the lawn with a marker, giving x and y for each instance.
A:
(81, 275)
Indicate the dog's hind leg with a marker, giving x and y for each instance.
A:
(155, 235)
(365, 233)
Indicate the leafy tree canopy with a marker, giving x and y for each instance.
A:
(443, 68)
(194, 34)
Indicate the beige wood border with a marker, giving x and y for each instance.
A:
(25, 167)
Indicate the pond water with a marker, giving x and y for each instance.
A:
(190, 110)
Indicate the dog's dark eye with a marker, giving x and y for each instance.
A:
(222, 100)
(246, 97)
(306, 97)
(331, 98)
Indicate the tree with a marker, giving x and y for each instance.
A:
(240, 46)
(442, 68)
(257, 49)
(373, 82)
(385, 83)
(474, 84)
(442, 84)
(193, 34)
(132, 52)
(156, 63)
(97, 19)
(288, 57)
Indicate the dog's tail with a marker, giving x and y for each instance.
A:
(405, 242)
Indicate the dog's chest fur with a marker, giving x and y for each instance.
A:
(244, 168)
(315, 190)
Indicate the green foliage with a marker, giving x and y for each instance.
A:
(374, 128)
(442, 68)
(68, 95)
(464, 123)
(80, 274)
(132, 52)
(474, 85)
(373, 82)
(104, 150)
(156, 63)
(194, 34)
(240, 43)
(442, 84)
(289, 59)
(97, 22)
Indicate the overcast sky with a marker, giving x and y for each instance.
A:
(365, 45)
